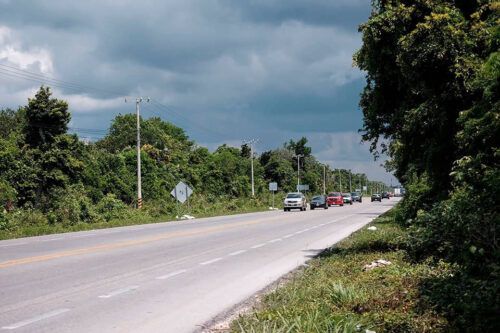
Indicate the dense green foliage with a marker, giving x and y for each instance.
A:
(432, 96)
(334, 293)
(50, 179)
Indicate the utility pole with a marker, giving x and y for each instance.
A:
(350, 185)
(251, 142)
(298, 156)
(138, 101)
(324, 179)
(340, 181)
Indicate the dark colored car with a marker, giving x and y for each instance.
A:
(335, 198)
(319, 201)
(356, 197)
(385, 195)
(376, 197)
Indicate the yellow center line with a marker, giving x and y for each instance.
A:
(124, 244)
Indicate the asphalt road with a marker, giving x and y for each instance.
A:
(167, 277)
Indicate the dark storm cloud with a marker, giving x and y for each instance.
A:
(266, 68)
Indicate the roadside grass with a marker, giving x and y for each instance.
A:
(27, 223)
(335, 294)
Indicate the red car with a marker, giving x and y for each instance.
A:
(335, 198)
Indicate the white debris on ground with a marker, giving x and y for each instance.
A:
(185, 217)
(369, 331)
(273, 208)
(377, 263)
(372, 228)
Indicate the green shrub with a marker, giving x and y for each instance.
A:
(109, 207)
(73, 206)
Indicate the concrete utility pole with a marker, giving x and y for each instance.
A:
(350, 185)
(298, 170)
(340, 181)
(324, 179)
(251, 142)
(138, 101)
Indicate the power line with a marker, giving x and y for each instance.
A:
(13, 72)
(62, 83)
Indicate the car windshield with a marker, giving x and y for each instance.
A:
(334, 194)
(293, 196)
(354, 193)
(317, 198)
(346, 195)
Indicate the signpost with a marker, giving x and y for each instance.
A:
(273, 187)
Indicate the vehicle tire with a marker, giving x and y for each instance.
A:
(342, 205)
(312, 208)
(350, 203)
(326, 206)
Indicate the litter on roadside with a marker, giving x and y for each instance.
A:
(377, 263)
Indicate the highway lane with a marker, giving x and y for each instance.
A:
(167, 277)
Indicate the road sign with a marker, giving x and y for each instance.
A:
(273, 186)
(304, 187)
(365, 188)
(358, 190)
(181, 192)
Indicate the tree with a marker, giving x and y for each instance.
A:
(46, 118)
(421, 58)
(299, 147)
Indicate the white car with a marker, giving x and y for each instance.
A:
(294, 200)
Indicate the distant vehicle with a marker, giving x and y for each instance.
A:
(319, 201)
(347, 198)
(356, 197)
(335, 198)
(295, 200)
(397, 192)
(376, 197)
(385, 195)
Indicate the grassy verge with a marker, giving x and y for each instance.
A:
(335, 293)
(25, 223)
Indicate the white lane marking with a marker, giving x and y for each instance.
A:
(35, 319)
(119, 291)
(16, 244)
(275, 240)
(210, 261)
(237, 252)
(298, 232)
(287, 236)
(312, 228)
(258, 245)
(169, 275)
(52, 239)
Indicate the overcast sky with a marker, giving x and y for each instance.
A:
(224, 70)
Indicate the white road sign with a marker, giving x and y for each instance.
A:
(304, 187)
(273, 186)
(181, 192)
